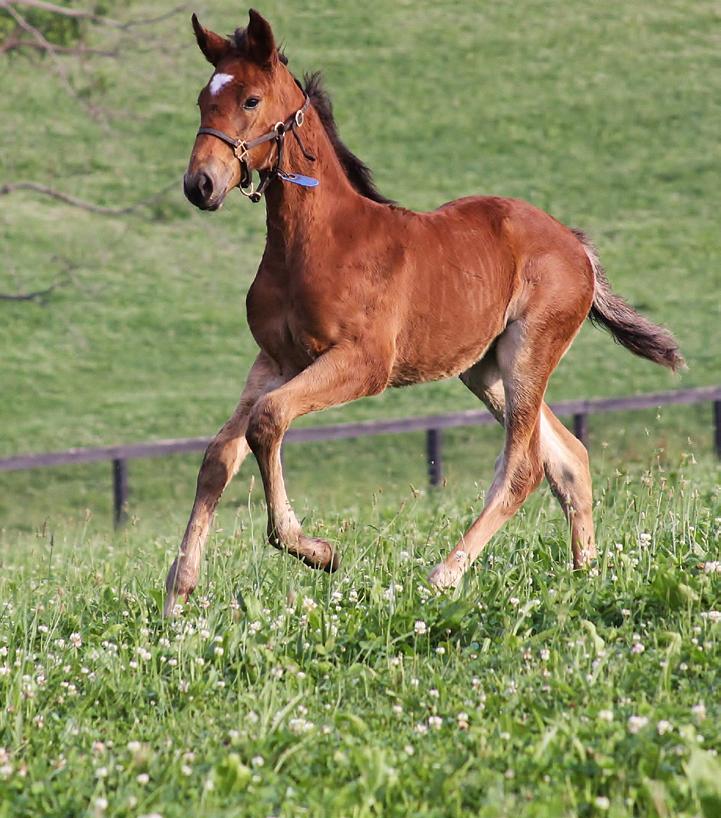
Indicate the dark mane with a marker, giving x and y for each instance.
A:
(358, 173)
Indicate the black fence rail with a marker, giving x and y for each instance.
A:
(432, 425)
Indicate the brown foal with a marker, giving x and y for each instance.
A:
(355, 294)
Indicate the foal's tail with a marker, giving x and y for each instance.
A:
(631, 330)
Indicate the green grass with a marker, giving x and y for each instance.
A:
(535, 691)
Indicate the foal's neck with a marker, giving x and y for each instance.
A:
(297, 215)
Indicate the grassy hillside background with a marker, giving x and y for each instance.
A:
(608, 118)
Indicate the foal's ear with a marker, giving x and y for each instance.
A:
(213, 46)
(261, 43)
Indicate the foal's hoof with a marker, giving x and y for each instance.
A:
(319, 554)
(178, 584)
(443, 577)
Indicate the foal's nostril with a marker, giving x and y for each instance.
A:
(205, 186)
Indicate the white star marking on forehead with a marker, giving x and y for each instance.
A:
(219, 81)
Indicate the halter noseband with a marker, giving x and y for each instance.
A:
(241, 148)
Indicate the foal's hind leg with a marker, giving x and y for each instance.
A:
(222, 460)
(526, 353)
(565, 459)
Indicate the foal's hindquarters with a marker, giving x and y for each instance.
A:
(544, 285)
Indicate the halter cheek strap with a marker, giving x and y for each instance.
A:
(241, 149)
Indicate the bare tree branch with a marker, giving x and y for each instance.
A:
(49, 49)
(35, 295)
(64, 11)
(147, 21)
(83, 14)
(35, 187)
(13, 42)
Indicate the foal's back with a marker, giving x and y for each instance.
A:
(471, 267)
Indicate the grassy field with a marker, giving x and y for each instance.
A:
(533, 690)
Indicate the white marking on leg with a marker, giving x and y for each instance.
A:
(219, 81)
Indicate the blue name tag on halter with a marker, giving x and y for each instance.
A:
(298, 179)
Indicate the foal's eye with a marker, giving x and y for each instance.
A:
(250, 103)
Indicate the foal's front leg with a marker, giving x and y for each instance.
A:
(222, 460)
(338, 376)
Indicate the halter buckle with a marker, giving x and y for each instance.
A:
(299, 117)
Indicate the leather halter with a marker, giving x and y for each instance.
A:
(277, 134)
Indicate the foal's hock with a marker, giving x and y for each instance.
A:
(355, 294)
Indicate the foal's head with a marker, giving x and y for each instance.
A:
(249, 92)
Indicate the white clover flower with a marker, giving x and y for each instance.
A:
(398, 709)
(462, 719)
(420, 627)
(602, 803)
(101, 804)
(421, 728)
(299, 726)
(143, 778)
(435, 722)
(309, 604)
(711, 616)
(637, 648)
(101, 772)
(605, 715)
(76, 640)
(699, 710)
(514, 600)
(664, 727)
(712, 567)
(257, 761)
(636, 723)
(218, 651)
(409, 750)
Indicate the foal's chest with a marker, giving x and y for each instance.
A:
(285, 326)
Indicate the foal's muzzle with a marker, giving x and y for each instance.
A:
(202, 190)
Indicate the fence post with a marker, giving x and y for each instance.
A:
(120, 492)
(717, 425)
(434, 456)
(580, 427)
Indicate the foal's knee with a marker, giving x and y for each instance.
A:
(523, 478)
(266, 424)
